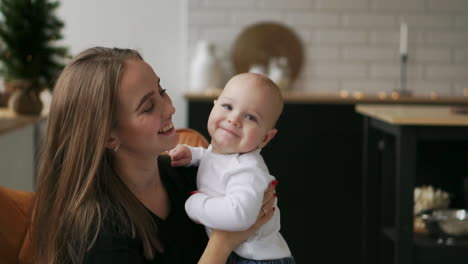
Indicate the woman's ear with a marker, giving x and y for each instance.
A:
(270, 134)
(112, 142)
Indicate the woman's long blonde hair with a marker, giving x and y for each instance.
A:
(77, 186)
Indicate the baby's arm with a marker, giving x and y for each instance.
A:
(238, 209)
(184, 155)
(180, 155)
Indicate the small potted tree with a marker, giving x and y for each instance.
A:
(30, 60)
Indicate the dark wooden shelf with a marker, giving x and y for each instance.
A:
(428, 251)
(345, 97)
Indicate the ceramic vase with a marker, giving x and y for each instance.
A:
(279, 72)
(259, 69)
(205, 69)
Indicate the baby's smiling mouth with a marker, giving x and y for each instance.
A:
(229, 131)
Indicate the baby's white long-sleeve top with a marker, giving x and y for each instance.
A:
(229, 197)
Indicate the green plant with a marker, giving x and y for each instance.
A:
(28, 31)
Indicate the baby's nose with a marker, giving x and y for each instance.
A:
(234, 120)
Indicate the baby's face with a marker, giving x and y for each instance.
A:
(241, 118)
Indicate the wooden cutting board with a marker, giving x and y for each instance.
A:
(257, 43)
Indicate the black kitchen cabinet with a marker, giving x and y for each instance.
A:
(405, 147)
(316, 156)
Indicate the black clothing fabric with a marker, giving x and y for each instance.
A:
(183, 240)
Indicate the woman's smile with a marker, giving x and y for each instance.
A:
(167, 129)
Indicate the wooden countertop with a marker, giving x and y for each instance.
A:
(345, 97)
(436, 115)
(10, 121)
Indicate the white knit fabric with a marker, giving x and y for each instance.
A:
(229, 197)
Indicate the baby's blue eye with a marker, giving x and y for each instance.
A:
(250, 117)
(226, 106)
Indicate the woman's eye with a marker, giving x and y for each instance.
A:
(149, 109)
(162, 92)
(250, 117)
(226, 106)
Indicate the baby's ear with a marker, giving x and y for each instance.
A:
(270, 134)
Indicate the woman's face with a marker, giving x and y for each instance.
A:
(144, 113)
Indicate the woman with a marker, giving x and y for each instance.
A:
(102, 196)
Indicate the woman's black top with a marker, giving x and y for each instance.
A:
(183, 240)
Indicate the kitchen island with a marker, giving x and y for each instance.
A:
(406, 146)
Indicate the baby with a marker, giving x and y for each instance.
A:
(232, 175)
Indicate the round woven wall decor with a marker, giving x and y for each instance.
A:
(262, 41)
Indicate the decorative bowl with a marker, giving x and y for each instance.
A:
(446, 224)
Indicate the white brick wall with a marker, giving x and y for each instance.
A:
(461, 56)
(461, 22)
(322, 53)
(448, 5)
(398, 5)
(442, 55)
(369, 21)
(312, 19)
(226, 4)
(352, 44)
(284, 5)
(342, 4)
(339, 37)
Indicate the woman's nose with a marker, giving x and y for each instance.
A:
(171, 109)
(168, 108)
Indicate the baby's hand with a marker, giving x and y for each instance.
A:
(180, 156)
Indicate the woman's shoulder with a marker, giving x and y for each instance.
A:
(182, 178)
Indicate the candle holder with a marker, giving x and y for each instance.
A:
(403, 91)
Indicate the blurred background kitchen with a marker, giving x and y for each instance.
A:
(348, 45)
(352, 44)
(352, 53)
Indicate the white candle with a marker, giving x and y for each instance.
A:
(403, 39)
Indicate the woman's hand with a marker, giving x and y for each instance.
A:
(222, 243)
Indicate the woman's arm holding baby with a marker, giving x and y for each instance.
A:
(222, 243)
(238, 208)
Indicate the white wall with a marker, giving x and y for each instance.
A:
(17, 160)
(353, 44)
(156, 28)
